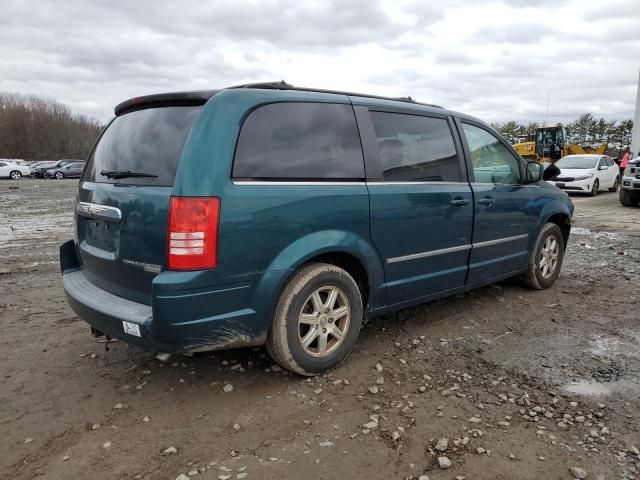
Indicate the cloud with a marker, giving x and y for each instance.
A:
(613, 10)
(514, 34)
(493, 58)
(455, 57)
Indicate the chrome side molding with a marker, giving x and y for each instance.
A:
(459, 248)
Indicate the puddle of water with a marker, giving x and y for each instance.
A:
(584, 387)
(30, 228)
(598, 234)
(610, 347)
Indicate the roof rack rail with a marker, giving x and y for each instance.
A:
(282, 85)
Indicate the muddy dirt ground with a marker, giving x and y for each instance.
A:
(522, 384)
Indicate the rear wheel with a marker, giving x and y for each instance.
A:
(15, 175)
(317, 320)
(545, 260)
(595, 188)
(616, 182)
(59, 175)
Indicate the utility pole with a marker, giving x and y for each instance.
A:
(635, 136)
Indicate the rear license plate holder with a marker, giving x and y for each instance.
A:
(101, 234)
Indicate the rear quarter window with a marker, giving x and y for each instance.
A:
(146, 141)
(308, 141)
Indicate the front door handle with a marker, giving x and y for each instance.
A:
(488, 201)
(459, 202)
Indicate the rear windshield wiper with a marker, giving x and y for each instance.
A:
(115, 174)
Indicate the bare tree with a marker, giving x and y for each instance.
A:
(36, 128)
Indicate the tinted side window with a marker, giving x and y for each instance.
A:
(415, 148)
(492, 162)
(299, 141)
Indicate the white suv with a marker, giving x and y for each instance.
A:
(630, 187)
(13, 170)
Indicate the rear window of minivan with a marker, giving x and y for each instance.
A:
(148, 141)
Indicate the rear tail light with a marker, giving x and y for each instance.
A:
(192, 233)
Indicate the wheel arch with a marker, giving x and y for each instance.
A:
(346, 250)
(563, 221)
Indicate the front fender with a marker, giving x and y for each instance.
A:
(550, 208)
(306, 248)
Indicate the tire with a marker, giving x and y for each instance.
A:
(626, 200)
(289, 330)
(616, 182)
(59, 175)
(536, 278)
(15, 175)
(595, 188)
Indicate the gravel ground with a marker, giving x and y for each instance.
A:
(499, 383)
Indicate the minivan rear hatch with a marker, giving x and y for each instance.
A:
(124, 195)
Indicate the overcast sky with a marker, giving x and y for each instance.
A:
(493, 59)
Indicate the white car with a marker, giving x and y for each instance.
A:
(12, 170)
(587, 173)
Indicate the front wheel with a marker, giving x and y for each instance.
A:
(317, 320)
(15, 175)
(545, 260)
(595, 188)
(59, 175)
(616, 182)
(626, 200)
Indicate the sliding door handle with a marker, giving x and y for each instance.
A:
(488, 201)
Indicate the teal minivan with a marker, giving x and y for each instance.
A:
(269, 214)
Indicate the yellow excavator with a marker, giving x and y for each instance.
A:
(550, 144)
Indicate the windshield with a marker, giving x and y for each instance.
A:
(577, 161)
(146, 141)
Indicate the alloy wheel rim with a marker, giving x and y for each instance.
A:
(324, 321)
(549, 257)
(15, 175)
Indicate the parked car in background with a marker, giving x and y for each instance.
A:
(26, 168)
(38, 169)
(12, 170)
(39, 163)
(17, 161)
(72, 170)
(587, 174)
(630, 186)
(274, 215)
(39, 172)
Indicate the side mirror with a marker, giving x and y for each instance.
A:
(550, 172)
(534, 172)
(603, 167)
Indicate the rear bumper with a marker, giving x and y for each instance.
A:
(165, 325)
(107, 312)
